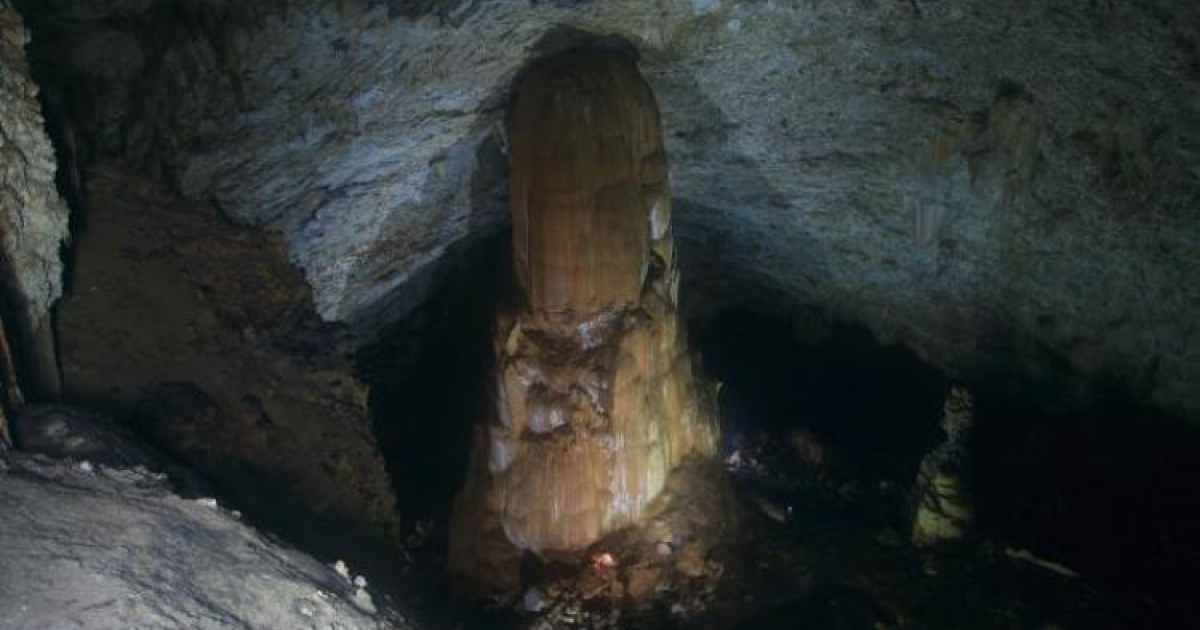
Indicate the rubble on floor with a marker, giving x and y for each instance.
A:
(780, 539)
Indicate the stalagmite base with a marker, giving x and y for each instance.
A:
(596, 398)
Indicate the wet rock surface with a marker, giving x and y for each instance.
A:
(86, 545)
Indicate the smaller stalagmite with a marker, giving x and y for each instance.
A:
(944, 509)
(596, 397)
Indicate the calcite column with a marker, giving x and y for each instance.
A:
(944, 511)
(596, 401)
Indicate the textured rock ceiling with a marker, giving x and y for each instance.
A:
(999, 185)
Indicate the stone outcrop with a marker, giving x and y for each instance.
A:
(944, 508)
(596, 397)
(33, 217)
(112, 548)
(976, 179)
(204, 334)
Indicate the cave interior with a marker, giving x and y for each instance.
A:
(602, 314)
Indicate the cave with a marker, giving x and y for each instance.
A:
(599, 314)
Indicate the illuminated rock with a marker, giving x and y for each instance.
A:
(596, 397)
(944, 510)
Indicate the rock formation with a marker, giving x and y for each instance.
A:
(199, 327)
(974, 179)
(91, 546)
(205, 334)
(944, 509)
(596, 398)
(33, 217)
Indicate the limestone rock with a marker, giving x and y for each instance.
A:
(65, 432)
(597, 401)
(115, 549)
(944, 508)
(581, 203)
(208, 333)
(975, 179)
(33, 217)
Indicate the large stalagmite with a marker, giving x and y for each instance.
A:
(596, 398)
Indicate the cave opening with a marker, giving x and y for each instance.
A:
(836, 425)
(871, 409)
(428, 376)
(880, 403)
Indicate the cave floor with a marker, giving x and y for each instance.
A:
(753, 547)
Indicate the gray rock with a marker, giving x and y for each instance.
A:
(114, 549)
(1004, 187)
(64, 432)
(33, 217)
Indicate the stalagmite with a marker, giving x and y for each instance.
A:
(596, 397)
(944, 511)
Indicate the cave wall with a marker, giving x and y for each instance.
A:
(975, 179)
(199, 332)
(33, 217)
(203, 336)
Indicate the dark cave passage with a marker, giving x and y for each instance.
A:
(429, 377)
(873, 411)
(879, 404)
(1111, 502)
(1077, 485)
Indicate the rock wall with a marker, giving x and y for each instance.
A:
(33, 217)
(113, 548)
(203, 334)
(975, 179)
(596, 398)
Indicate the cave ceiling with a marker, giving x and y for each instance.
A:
(977, 180)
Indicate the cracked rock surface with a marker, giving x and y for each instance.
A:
(97, 547)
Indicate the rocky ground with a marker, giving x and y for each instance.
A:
(779, 540)
(792, 531)
(89, 546)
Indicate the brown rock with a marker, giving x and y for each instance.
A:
(597, 401)
(209, 333)
(811, 451)
(690, 561)
(642, 581)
